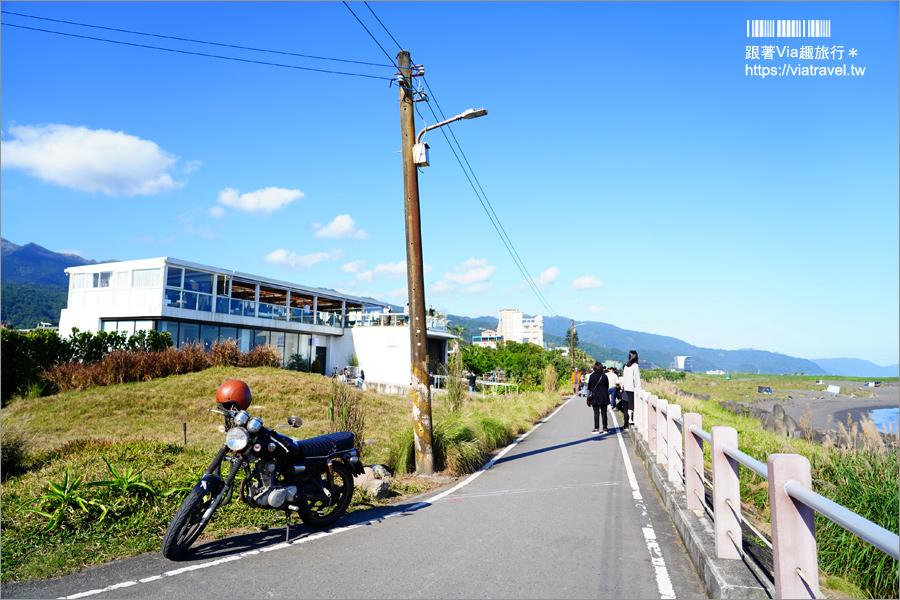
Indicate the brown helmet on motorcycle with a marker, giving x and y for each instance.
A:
(234, 394)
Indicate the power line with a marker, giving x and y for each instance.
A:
(399, 47)
(488, 207)
(244, 60)
(181, 39)
(485, 203)
(495, 221)
(370, 34)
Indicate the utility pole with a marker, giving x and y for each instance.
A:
(572, 342)
(418, 329)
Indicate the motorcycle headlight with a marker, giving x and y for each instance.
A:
(254, 425)
(237, 438)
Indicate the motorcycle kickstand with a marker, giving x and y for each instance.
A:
(287, 526)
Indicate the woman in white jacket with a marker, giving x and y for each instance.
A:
(631, 383)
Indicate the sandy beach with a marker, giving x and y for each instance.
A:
(823, 404)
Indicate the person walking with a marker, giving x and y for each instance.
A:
(613, 382)
(598, 396)
(631, 384)
(576, 379)
(472, 381)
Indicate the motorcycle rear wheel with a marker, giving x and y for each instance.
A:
(320, 513)
(187, 524)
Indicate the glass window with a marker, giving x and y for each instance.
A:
(171, 327)
(223, 285)
(204, 302)
(208, 335)
(143, 326)
(190, 300)
(266, 311)
(101, 280)
(237, 307)
(262, 338)
(126, 327)
(78, 281)
(222, 305)
(109, 325)
(228, 333)
(291, 348)
(145, 278)
(249, 308)
(123, 279)
(188, 333)
(198, 281)
(173, 298)
(173, 279)
(245, 339)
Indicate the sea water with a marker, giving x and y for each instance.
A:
(887, 419)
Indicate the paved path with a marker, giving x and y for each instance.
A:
(561, 514)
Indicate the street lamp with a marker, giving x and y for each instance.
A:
(418, 328)
(420, 150)
(572, 340)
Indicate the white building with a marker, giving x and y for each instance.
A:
(198, 303)
(683, 363)
(488, 339)
(514, 326)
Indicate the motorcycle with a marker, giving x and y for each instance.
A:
(312, 478)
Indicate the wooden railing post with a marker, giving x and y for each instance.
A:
(726, 494)
(640, 398)
(651, 423)
(673, 446)
(661, 431)
(793, 529)
(694, 490)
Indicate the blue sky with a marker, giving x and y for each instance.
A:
(646, 176)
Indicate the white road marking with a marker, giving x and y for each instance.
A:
(663, 582)
(330, 532)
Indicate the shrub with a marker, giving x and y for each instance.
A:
(226, 354)
(15, 450)
(297, 362)
(457, 388)
(550, 379)
(263, 356)
(345, 412)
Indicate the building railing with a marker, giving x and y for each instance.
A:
(391, 320)
(677, 442)
(440, 382)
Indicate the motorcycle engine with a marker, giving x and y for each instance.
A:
(266, 492)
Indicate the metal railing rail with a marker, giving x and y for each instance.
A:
(677, 442)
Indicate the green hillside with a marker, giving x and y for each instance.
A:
(25, 304)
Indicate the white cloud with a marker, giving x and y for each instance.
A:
(216, 211)
(399, 293)
(547, 277)
(343, 227)
(479, 288)
(90, 160)
(263, 202)
(353, 267)
(473, 274)
(593, 308)
(395, 270)
(588, 282)
(289, 260)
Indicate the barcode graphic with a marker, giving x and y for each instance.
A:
(789, 28)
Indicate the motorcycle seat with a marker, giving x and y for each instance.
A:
(324, 445)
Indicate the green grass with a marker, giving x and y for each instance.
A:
(864, 480)
(106, 434)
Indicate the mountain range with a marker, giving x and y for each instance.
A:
(34, 288)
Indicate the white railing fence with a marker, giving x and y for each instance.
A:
(677, 442)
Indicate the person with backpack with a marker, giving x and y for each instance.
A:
(631, 384)
(598, 396)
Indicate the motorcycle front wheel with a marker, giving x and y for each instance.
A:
(322, 513)
(187, 524)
